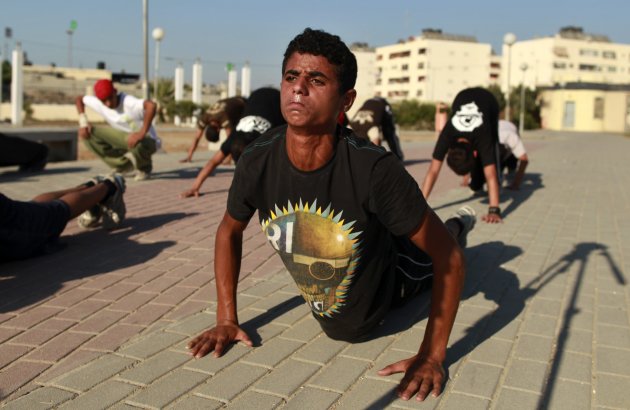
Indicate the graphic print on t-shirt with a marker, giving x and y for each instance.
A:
(319, 249)
(467, 118)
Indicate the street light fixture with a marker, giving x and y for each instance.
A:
(158, 35)
(521, 122)
(509, 39)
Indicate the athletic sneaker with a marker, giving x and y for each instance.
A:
(142, 175)
(92, 217)
(468, 217)
(113, 208)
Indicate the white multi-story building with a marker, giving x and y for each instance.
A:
(569, 56)
(366, 75)
(434, 67)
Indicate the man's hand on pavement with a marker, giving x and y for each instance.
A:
(492, 218)
(217, 339)
(422, 376)
(134, 139)
(191, 192)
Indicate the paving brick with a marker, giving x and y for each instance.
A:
(540, 325)
(132, 301)
(526, 375)
(456, 401)
(143, 276)
(58, 347)
(149, 345)
(146, 315)
(42, 398)
(580, 341)
(18, 374)
(194, 403)
(230, 382)
(373, 394)
(612, 391)
(185, 309)
(369, 350)
(183, 270)
(570, 395)
(270, 354)
(311, 399)
(612, 316)
(211, 365)
(32, 317)
(477, 379)
(167, 389)
(534, 347)
(195, 324)
(285, 379)
(70, 297)
(159, 285)
(611, 360)
(575, 367)
(115, 291)
(251, 400)
(340, 374)
(99, 321)
(173, 296)
(72, 361)
(305, 330)
(517, 400)
(320, 350)
(607, 335)
(10, 352)
(153, 368)
(7, 333)
(492, 351)
(102, 281)
(102, 396)
(113, 337)
(83, 309)
(93, 373)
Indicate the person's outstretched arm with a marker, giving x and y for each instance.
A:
(431, 177)
(227, 266)
(205, 172)
(84, 125)
(193, 147)
(424, 372)
(492, 179)
(150, 108)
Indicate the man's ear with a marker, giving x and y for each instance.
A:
(348, 99)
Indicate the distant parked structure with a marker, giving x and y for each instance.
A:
(434, 67)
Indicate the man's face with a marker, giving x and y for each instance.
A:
(309, 94)
(111, 101)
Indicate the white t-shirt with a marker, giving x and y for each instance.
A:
(127, 117)
(509, 138)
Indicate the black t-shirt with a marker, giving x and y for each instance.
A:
(332, 227)
(227, 112)
(262, 113)
(369, 115)
(475, 116)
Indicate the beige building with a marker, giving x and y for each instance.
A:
(586, 107)
(569, 56)
(366, 75)
(434, 67)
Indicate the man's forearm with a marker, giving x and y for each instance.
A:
(227, 266)
(520, 172)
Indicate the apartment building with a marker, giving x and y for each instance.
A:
(366, 75)
(569, 56)
(434, 66)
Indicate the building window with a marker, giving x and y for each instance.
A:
(560, 52)
(400, 80)
(379, 57)
(419, 93)
(589, 52)
(420, 66)
(609, 54)
(404, 67)
(589, 67)
(422, 51)
(495, 65)
(421, 78)
(399, 54)
(598, 108)
(494, 76)
(559, 65)
(612, 69)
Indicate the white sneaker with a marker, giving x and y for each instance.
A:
(142, 176)
(114, 209)
(92, 217)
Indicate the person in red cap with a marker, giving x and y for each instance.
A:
(130, 140)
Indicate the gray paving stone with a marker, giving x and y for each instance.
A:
(42, 398)
(145, 372)
(252, 400)
(526, 375)
(492, 351)
(570, 395)
(305, 330)
(148, 346)
(374, 394)
(320, 350)
(194, 324)
(190, 402)
(534, 347)
(575, 367)
(102, 396)
(477, 379)
(309, 398)
(580, 341)
(285, 379)
(211, 365)
(369, 350)
(517, 400)
(613, 316)
(94, 372)
(612, 391)
(229, 383)
(340, 374)
(270, 354)
(167, 389)
(457, 401)
(540, 325)
(611, 360)
(613, 336)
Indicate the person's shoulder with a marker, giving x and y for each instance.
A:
(505, 125)
(357, 144)
(265, 143)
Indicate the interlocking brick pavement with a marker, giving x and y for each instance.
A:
(544, 319)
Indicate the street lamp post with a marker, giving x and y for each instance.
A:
(70, 32)
(509, 39)
(521, 122)
(158, 35)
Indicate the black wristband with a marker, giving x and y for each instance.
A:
(494, 210)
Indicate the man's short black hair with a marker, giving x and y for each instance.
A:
(460, 158)
(330, 46)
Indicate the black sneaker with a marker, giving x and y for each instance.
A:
(468, 217)
(92, 217)
(113, 208)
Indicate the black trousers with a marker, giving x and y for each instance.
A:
(30, 156)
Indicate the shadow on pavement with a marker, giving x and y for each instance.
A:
(187, 173)
(88, 253)
(12, 176)
(409, 162)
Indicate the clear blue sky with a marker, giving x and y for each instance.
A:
(222, 31)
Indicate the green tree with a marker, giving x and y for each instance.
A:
(164, 96)
(411, 114)
(532, 108)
